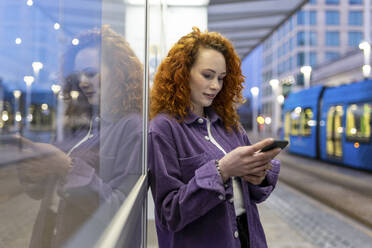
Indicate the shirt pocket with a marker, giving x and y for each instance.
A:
(190, 164)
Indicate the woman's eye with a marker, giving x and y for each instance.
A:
(220, 79)
(207, 76)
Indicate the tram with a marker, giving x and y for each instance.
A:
(331, 123)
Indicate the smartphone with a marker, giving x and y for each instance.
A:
(277, 143)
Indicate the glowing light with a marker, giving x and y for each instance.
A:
(260, 120)
(364, 45)
(280, 99)
(55, 88)
(18, 117)
(353, 131)
(306, 69)
(311, 123)
(356, 145)
(18, 41)
(268, 120)
(340, 129)
(74, 94)
(44, 106)
(29, 3)
(29, 117)
(322, 123)
(255, 91)
(28, 80)
(17, 93)
(366, 70)
(5, 116)
(75, 42)
(274, 83)
(37, 66)
(298, 110)
(56, 26)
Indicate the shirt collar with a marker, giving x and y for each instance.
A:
(209, 111)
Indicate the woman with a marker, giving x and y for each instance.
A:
(82, 183)
(206, 177)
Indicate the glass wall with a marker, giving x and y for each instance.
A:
(72, 144)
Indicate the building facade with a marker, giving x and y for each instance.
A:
(322, 32)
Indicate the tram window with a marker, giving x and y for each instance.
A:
(358, 122)
(295, 121)
(287, 125)
(306, 121)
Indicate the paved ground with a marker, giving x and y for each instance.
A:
(293, 220)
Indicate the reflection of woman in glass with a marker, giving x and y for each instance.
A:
(94, 174)
(206, 177)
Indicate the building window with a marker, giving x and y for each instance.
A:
(313, 38)
(291, 44)
(290, 63)
(332, 38)
(332, 17)
(300, 58)
(312, 2)
(291, 24)
(332, 1)
(301, 38)
(331, 56)
(300, 17)
(300, 81)
(355, 1)
(313, 60)
(355, 38)
(356, 18)
(312, 17)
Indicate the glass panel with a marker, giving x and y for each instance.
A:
(358, 119)
(295, 121)
(338, 131)
(287, 125)
(71, 117)
(330, 124)
(306, 121)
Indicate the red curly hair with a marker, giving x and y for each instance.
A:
(171, 91)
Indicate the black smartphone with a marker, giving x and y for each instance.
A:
(277, 143)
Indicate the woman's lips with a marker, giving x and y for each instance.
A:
(209, 96)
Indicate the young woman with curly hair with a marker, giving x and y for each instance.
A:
(205, 175)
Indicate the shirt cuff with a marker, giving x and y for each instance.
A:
(207, 177)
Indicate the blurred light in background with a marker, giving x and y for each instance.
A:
(75, 42)
(18, 41)
(56, 26)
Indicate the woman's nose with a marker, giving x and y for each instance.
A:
(84, 81)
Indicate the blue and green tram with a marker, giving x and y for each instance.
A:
(333, 124)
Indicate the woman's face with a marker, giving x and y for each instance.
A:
(87, 63)
(206, 78)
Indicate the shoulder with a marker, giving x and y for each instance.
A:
(162, 122)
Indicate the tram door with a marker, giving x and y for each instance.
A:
(334, 132)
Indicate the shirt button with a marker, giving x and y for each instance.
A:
(226, 185)
(231, 200)
(206, 137)
(236, 234)
(221, 197)
(200, 120)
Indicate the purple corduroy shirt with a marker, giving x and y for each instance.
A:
(193, 207)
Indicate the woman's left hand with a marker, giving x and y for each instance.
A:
(258, 177)
(46, 160)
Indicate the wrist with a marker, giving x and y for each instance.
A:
(221, 170)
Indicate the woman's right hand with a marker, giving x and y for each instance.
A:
(246, 160)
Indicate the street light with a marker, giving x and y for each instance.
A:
(306, 70)
(276, 108)
(16, 94)
(28, 80)
(366, 47)
(37, 66)
(254, 92)
(57, 119)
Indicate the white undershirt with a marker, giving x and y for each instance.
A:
(237, 188)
